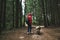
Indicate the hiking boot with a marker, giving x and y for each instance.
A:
(28, 33)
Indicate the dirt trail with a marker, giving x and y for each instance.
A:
(20, 34)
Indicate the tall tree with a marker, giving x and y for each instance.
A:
(58, 10)
(43, 9)
(0, 14)
(20, 11)
(3, 13)
(13, 13)
(17, 12)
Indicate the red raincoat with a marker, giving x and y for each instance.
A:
(29, 18)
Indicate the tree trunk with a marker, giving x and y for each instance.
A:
(59, 11)
(13, 13)
(3, 11)
(17, 12)
(0, 15)
(46, 14)
(20, 10)
(43, 9)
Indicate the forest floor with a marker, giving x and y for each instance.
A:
(52, 33)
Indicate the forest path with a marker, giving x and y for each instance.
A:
(21, 34)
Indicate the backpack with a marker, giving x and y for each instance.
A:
(30, 19)
(27, 21)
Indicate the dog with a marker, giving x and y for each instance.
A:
(37, 30)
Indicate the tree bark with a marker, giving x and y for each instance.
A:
(20, 10)
(0, 15)
(17, 12)
(13, 13)
(43, 9)
(3, 11)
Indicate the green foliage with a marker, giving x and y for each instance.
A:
(34, 7)
(9, 14)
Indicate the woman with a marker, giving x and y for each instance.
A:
(29, 18)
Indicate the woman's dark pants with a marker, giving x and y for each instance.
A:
(29, 28)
